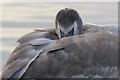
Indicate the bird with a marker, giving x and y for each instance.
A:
(70, 50)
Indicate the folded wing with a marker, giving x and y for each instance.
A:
(41, 54)
(30, 47)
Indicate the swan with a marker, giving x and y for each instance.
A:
(70, 50)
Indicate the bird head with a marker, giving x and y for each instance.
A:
(68, 23)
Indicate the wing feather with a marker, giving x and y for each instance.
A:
(26, 53)
(96, 47)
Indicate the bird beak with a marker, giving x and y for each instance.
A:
(63, 31)
(66, 31)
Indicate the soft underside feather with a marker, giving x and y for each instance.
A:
(31, 36)
(32, 45)
(40, 41)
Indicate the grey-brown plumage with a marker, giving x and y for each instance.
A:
(41, 54)
(93, 53)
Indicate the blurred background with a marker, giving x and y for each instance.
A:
(20, 18)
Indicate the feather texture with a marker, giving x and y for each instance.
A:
(41, 54)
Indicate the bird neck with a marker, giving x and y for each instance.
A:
(78, 28)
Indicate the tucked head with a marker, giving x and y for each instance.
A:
(68, 23)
